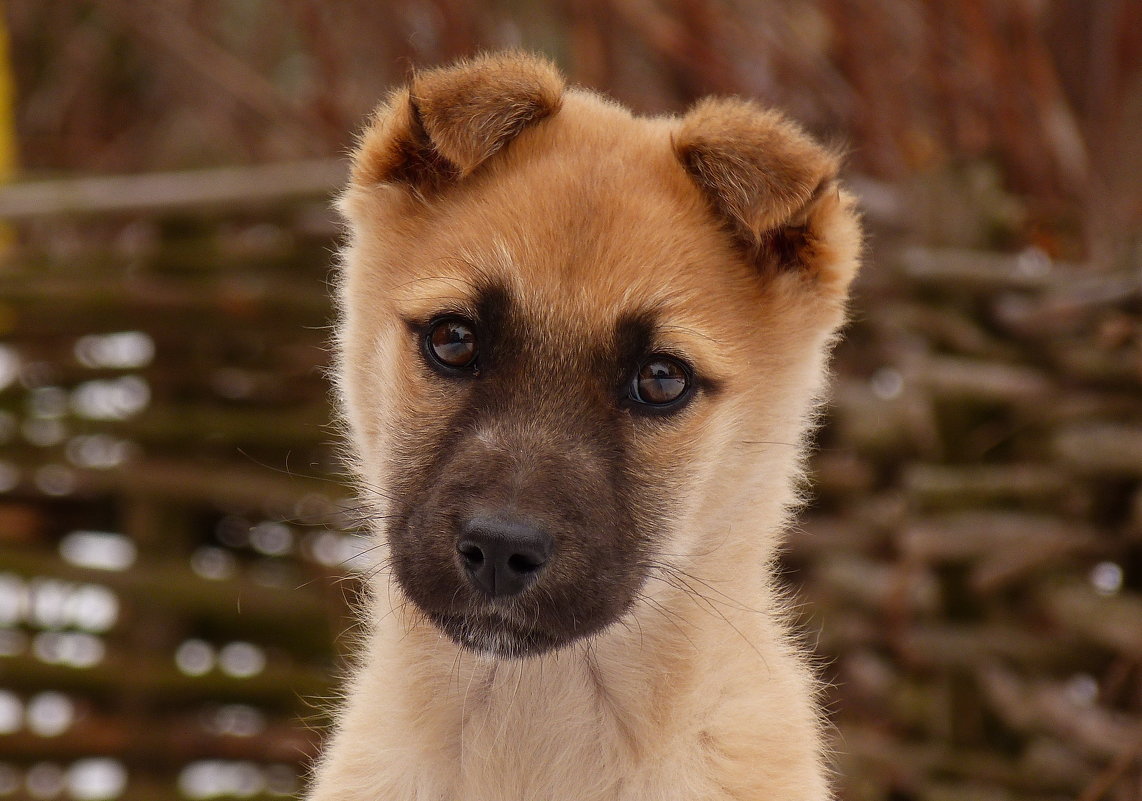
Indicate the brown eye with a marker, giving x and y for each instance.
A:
(660, 381)
(451, 343)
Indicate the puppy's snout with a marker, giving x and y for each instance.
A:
(503, 557)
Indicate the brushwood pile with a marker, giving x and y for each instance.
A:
(178, 552)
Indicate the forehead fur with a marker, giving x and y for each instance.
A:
(586, 217)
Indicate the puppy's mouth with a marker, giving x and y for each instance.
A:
(495, 635)
(505, 587)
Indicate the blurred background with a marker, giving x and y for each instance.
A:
(178, 551)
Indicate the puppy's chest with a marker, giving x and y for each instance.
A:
(529, 744)
(588, 773)
(565, 749)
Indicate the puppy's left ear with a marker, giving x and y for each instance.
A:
(774, 188)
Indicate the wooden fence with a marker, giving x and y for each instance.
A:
(173, 531)
(174, 537)
(972, 564)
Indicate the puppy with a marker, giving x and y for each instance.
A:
(578, 353)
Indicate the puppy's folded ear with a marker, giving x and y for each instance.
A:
(448, 121)
(774, 188)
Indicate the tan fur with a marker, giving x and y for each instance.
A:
(492, 168)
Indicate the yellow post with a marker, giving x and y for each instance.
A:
(7, 123)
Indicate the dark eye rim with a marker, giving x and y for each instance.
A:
(469, 369)
(634, 403)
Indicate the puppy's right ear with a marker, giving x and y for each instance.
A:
(450, 120)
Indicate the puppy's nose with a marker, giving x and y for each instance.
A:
(503, 557)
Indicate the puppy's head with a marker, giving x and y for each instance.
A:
(567, 335)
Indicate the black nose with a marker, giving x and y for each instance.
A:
(502, 557)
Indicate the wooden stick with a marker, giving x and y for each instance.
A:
(166, 191)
